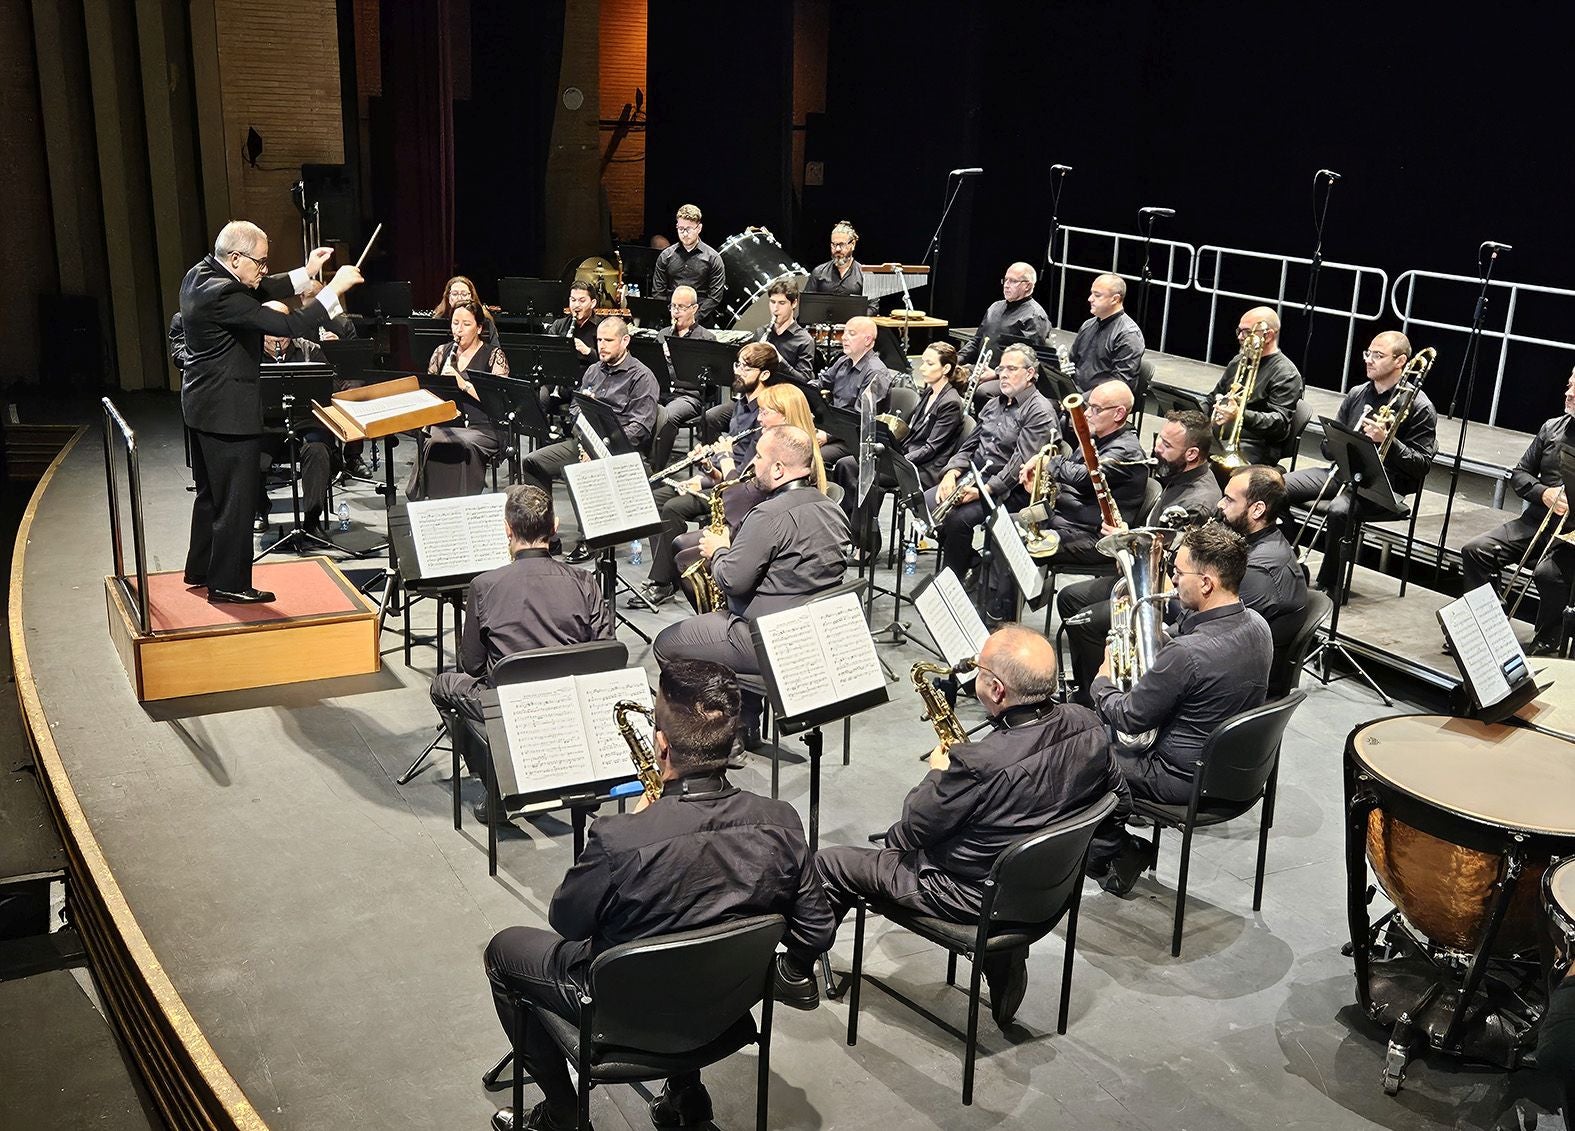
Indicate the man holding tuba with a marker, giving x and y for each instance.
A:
(1040, 761)
(1409, 451)
(1270, 405)
(704, 852)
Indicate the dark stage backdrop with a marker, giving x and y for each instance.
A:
(1447, 130)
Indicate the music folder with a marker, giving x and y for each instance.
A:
(1491, 662)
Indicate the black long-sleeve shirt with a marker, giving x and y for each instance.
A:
(704, 852)
(533, 602)
(794, 346)
(824, 280)
(701, 269)
(1539, 465)
(1033, 769)
(630, 389)
(1008, 433)
(1266, 424)
(1415, 443)
(1106, 348)
(844, 379)
(567, 327)
(1121, 460)
(1008, 323)
(792, 545)
(1274, 586)
(934, 432)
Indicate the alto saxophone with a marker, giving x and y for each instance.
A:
(708, 595)
(644, 761)
(1241, 389)
(937, 711)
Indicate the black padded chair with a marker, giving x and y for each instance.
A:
(633, 1027)
(1239, 766)
(1299, 421)
(1285, 673)
(903, 400)
(1145, 382)
(1035, 883)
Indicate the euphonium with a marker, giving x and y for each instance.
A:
(1041, 541)
(644, 761)
(1137, 620)
(707, 594)
(937, 712)
(1240, 391)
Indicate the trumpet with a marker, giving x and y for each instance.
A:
(1240, 391)
(973, 374)
(944, 507)
(645, 767)
(704, 451)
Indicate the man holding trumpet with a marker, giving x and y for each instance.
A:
(1545, 516)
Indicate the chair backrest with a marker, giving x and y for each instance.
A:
(1145, 377)
(1036, 877)
(968, 425)
(1241, 753)
(834, 492)
(677, 993)
(561, 660)
(1299, 421)
(903, 401)
(1151, 493)
(1285, 672)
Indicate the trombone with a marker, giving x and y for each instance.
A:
(1524, 576)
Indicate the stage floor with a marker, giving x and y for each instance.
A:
(325, 925)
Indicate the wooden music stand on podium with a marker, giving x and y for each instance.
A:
(379, 412)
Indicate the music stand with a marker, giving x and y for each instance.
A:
(605, 421)
(1364, 481)
(1172, 399)
(606, 542)
(648, 313)
(288, 390)
(703, 365)
(542, 299)
(514, 404)
(647, 349)
(639, 263)
(381, 300)
(830, 310)
(910, 501)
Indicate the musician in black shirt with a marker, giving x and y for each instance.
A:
(1016, 319)
(693, 262)
(1271, 405)
(783, 333)
(1109, 344)
(841, 274)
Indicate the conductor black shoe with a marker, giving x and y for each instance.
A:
(658, 592)
(1135, 858)
(1007, 976)
(240, 597)
(681, 1107)
(580, 553)
(260, 524)
(792, 989)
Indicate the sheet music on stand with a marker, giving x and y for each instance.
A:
(397, 404)
(1488, 654)
(588, 437)
(453, 537)
(612, 499)
(950, 618)
(818, 661)
(560, 734)
(1025, 571)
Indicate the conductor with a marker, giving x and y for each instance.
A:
(221, 306)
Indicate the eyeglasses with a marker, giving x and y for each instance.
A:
(1243, 331)
(262, 264)
(1374, 355)
(840, 245)
(1008, 281)
(737, 365)
(992, 674)
(1095, 409)
(682, 305)
(687, 229)
(1012, 369)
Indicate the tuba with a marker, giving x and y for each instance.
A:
(644, 761)
(1137, 616)
(937, 711)
(708, 596)
(1041, 542)
(1240, 391)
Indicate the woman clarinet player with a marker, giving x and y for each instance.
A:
(454, 456)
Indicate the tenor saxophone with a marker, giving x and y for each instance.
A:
(1240, 391)
(937, 711)
(645, 767)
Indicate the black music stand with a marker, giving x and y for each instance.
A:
(545, 359)
(1363, 481)
(910, 500)
(648, 313)
(541, 299)
(606, 544)
(842, 425)
(647, 349)
(514, 404)
(381, 300)
(288, 390)
(815, 309)
(703, 365)
(1172, 399)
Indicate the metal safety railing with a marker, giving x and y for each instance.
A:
(1402, 298)
(1169, 280)
(1360, 278)
(136, 597)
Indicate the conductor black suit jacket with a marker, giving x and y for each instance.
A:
(224, 323)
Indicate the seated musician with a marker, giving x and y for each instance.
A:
(791, 341)
(1110, 343)
(844, 380)
(1182, 449)
(1536, 480)
(1013, 426)
(1016, 319)
(579, 327)
(1556, 1034)
(1216, 666)
(694, 263)
(1271, 403)
(1275, 585)
(841, 274)
(934, 432)
(533, 602)
(1406, 462)
(705, 852)
(316, 444)
(790, 547)
(684, 409)
(453, 459)
(620, 381)
(762, 404)
(457, 292)
(1039, 762)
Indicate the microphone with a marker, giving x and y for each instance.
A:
(966, 172)
(1062, 169)
(1164, 213)
(1494, 245)
(1330, 173)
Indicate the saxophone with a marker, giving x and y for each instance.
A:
(644, 761)
(1241, 389)
(708, 595)
(937, 712)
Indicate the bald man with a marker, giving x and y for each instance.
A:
(1271, 407)
(1039, 762)
(1016, 318)
(842, 382)
(1406, 462)
(1110, 344)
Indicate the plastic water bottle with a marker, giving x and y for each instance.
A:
(637, 553)
(344, 516)
(910, 559)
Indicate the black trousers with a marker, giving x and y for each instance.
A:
(454, 694)
(683, 411)
(719, 636)
(1301, 488)
(846, 472)
(678, 510)
(1150, 777)
(1086, 642)
(1484, 556)
(226, 470)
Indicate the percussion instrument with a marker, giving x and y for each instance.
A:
(604, 279)
(1558, 908)
(754, 260)
(1458, 820)
(827, 337)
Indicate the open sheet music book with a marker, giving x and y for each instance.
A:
(398, 404)
(950, 618)
(1488, 654)
(611, 496)
(1025, 571)
(459, 536)
(820, 654)
(562, 733)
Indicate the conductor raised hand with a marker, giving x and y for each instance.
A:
(345, 279)
(316, 261)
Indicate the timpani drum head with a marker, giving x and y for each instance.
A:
(1558, 897)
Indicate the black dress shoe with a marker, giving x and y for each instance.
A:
(539, 1119)
(193, 582)
(658, 592)
(260, 524)
(243, 597)
(1135, 858)
(479, 811)
(312, 521)
(792, 989)
(580, 553)
(681, 1107)
(1007, 976)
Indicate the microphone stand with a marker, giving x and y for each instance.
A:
(1468, 375)
(1317, 263)
(1148, 216)
(932, 254)
(1057, 183)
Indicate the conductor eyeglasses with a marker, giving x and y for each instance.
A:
(262, 264)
